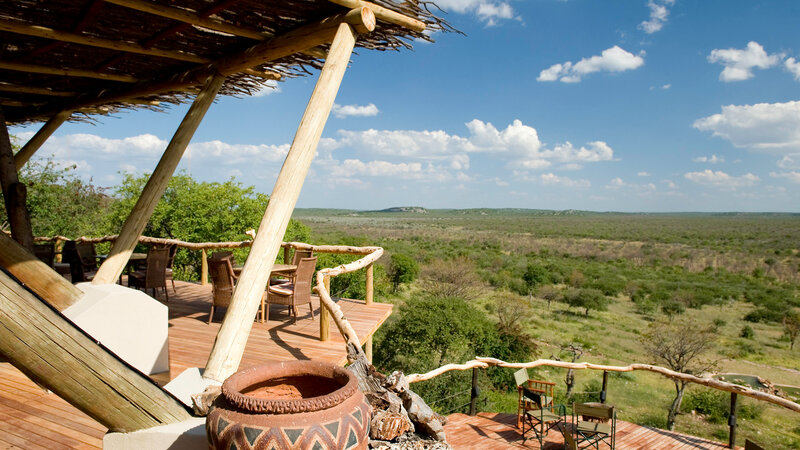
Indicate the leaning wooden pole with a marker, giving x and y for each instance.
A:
(14, 192)
(51, 351)
(38, 276)
(38, 139)
(233, 333)
(121, 251)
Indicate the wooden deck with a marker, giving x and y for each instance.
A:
(498, 431)
(30, 418)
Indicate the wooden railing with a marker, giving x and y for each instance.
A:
(371, 254)
(734, 389)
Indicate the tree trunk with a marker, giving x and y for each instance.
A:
(570, 382)
(676, 405)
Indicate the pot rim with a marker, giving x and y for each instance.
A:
(233, 386)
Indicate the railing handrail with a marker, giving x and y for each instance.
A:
(483, 363)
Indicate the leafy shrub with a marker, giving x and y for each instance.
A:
(747, 332)
(402, 269)
(589, 393)
(715, 405)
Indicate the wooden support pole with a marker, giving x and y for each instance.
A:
(39, 138)
(14, 192)
(605, 387)
(233, 333)
(370, 282)
(474, 393)
(38, 276)
(51, 351)
(368, 349)
(287, 255)
(204, 267)
(324, 315)
(121, 251)
(732, 422)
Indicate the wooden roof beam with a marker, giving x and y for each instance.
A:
(384, 14)
(77, 38)
(66, 72)
(183, 15)
(38, 139)
(6, 87)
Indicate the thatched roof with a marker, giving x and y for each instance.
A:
(96, 56)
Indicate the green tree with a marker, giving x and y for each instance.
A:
(428, 332)
(588, 299)
(61, 203)
(791, 326)
(680, 345)
(402, 269)
(535, 275)
(195, 211)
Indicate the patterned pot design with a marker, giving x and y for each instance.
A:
(290, 405)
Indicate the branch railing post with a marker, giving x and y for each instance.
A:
(732, 422)
(474, 393)
(203, 267)
(605, 387)
(324, 315)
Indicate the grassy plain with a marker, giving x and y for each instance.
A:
(719, 262)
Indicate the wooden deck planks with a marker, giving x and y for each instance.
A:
(31, 418)
(499, 431)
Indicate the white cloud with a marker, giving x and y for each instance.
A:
(356, 168)
(791, 161)
(487, 11)
(342, 111)
(792, 176)
(613, 59)
(238, 153)
(553, 179)
(643, 174)
(764, 126)
(659, 12)
(713, 159)
(670, 184)
(270, 87)
(619, 183)
(793, 67)
(739, 63)
(721, 179)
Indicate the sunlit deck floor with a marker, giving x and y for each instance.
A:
(33, 419)
(498, 431)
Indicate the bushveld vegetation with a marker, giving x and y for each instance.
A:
(601, 283)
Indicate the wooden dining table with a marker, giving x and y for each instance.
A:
(277, 269)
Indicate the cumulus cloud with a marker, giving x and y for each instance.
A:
(643, 174)
(342, 111)
(793, 176)
(614, 59)
(489, 12)
(791, 161)
(713, 159)
(721, 180)
(739, 63)
(793, 67)
(619, 183)
(764, 126)
(238, 153)
(553, 179)
(268, 88)
(659, 12)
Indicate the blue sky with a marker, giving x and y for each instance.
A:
(630, 105)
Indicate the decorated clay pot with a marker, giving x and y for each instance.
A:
(290, 405)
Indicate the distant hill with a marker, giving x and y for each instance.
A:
(404, 209)
(505, 212)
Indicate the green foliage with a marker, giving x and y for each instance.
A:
(588, 299)
(199, 212)
(402, 269)
(715, 405)
(747, 332)
(535, 275)
(60, 203)
(429, 332)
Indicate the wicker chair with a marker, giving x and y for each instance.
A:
(292, 294)
(289, 277)
(222, 281)
(71, 255)
(45, 252)
(154, 275)
(168, 272)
